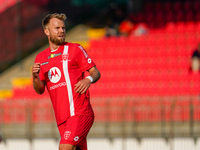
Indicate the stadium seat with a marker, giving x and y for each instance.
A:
(42, 112)
(196, 109)
(170, 28)
(167, 6)
(190, 16)
(148, 6)
(196, 5)
(180, 26)
(169, 16)
(14, 112)
(177, 6)
(197, 16)
(187, 6)
(158, 6)
(153, 65)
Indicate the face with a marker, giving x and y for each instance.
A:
(55, 31)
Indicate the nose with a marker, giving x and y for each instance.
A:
(62, 30)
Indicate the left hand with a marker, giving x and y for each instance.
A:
(82, 86)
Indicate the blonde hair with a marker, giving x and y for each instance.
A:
(46, 19)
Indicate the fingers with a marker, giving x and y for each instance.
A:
(82, 86)
(80, 89)
(36, 69)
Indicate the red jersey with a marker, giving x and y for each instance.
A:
(61, 70)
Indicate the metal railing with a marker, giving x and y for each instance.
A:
(137, 117)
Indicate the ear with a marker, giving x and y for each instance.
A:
(46, 31)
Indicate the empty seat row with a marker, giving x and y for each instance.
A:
(172, 5)
(109, 109)
(162, 12)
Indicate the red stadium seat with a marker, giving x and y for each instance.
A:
(180, 26)
(158, 6)
(167, 6)
(169, 16)
(190, 16)
(149, 6)
(42, 112)
(196, 5)
(187, 6)
(180, 16)
(170, 27)
(177, 6)
(196, 108)
(197, 16)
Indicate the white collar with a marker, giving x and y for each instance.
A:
(54, 50)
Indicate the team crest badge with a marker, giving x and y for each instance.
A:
(65, 56)
(67, 135)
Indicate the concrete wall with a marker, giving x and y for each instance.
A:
(106, 144)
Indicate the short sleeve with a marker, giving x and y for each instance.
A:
(83, 59)
(41, 75)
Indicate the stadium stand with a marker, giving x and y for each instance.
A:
(145, 79)
(9, 3)
(129, 69)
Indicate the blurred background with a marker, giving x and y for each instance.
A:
(147, 51)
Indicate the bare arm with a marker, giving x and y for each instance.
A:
(95, 74)
(38, 85)
(84, 84)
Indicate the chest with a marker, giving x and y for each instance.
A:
(59, 60)
(55, 65)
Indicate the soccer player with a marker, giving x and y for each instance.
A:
(61, 69)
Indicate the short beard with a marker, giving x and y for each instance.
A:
(57, 41)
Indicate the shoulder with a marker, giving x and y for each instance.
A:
(41, 54)
(44, 51)
(76, 47)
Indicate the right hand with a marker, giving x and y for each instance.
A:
(36, 70)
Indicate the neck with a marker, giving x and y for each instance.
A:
(53, 46)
